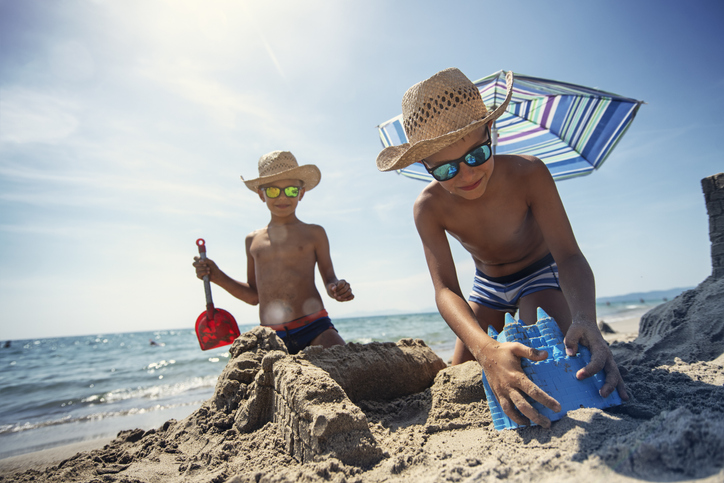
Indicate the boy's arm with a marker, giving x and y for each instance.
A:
(576, 279)
(243, 291)
(500, 361)
(339, 290)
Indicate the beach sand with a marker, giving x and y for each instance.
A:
(394, 412)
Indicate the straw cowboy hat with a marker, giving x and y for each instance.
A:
(437, 112)
(283, 165)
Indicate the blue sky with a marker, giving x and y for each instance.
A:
(124, 127)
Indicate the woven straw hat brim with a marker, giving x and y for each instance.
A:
(403, 155)
(398, 157)
(308, 173)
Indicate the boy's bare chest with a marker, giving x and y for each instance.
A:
(280, 248)
(491, 231)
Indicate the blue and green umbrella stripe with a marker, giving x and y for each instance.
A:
(571, 128)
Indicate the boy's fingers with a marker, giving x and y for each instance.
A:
(526, 386)
(600, 356)
(622, 391)
(540, 396)
(511, 410)
(517, 408)
(571, 340)
(593, 367)
(601, 359)
(521, 350)
(341, 291)
(513, 388)
(529, 411)
(613, 381)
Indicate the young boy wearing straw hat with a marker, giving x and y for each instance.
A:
(281, 259)
(506, 212)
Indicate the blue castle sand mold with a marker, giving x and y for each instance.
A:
(556, 375)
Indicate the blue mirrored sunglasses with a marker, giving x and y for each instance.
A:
(475, 157)
(274, 192)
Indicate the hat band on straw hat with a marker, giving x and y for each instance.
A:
(436, 113)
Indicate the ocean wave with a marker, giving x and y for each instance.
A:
(153, 392)
(27, 426)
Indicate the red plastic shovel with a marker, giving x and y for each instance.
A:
(215, 327)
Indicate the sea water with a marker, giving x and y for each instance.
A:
(66, 390)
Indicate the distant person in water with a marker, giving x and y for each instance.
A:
(506, 212)
(281, 259)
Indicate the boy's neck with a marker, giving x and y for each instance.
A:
(283, 220)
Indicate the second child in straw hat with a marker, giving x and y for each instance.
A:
(281, 259)
(506, 212)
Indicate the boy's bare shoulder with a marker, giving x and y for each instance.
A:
(425, 202)
(519, 164)
(519, 169)
(311, 232)
(256, 233)
(314, 230)
(427, 194)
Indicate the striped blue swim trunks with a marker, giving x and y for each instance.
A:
(504, 293)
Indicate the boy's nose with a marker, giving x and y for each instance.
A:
(466, 171)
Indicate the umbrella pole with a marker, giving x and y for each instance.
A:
(494, 137)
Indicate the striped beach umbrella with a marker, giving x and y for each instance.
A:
(571, 128)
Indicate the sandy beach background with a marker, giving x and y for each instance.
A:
(328, 416)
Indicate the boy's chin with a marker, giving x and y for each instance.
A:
(470, 194)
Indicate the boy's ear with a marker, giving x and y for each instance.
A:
(301, 193)
(261, 194)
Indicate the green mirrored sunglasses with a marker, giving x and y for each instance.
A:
(274, 192)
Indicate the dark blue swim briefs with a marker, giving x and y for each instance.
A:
(298, 339)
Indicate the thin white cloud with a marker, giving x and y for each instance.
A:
(103, 182)
(227, 106)
(273, 57)
(28, 116)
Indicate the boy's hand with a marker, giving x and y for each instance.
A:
(340, 291)
(601, 357)
(501, 363)
(205, 267)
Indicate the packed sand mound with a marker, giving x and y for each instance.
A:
(689, 327)
(281, 418)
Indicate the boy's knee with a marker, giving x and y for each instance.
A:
(328, 338)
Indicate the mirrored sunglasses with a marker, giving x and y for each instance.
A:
(475, 157)
(274, 192)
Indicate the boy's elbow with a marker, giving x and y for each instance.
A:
(251, 297)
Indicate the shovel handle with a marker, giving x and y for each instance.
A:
(207, 285)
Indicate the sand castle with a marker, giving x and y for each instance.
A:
(693, 321)
(556, 375)
(311, 396)
(713, 188)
